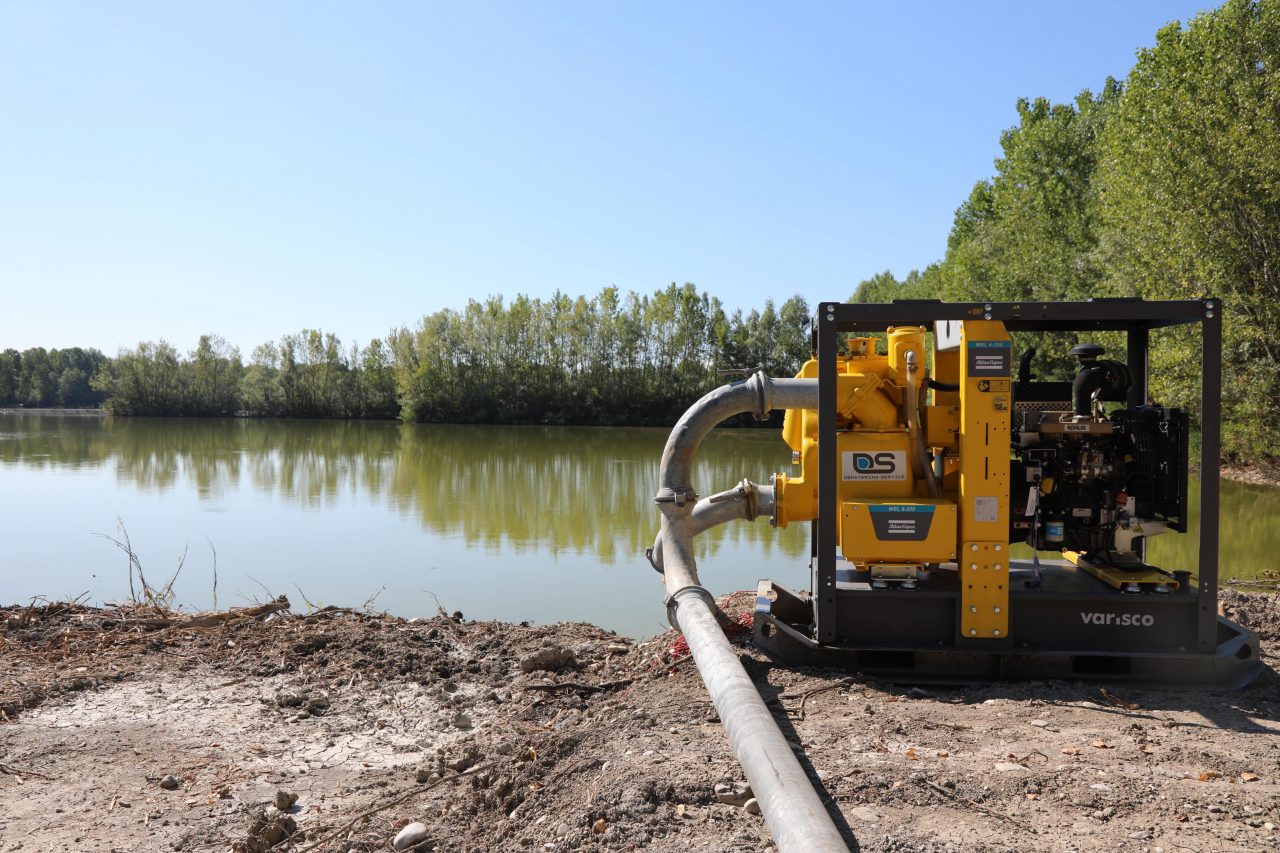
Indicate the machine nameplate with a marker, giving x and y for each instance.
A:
(1087, 428)
(986, 509)
(882, 465)
(901, 523)
(990, 358)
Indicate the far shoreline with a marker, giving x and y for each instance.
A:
(1257, 475)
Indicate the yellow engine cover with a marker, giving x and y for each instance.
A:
(877, 531)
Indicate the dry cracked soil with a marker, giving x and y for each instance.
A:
(136, 729)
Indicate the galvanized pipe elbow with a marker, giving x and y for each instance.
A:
(747, 501)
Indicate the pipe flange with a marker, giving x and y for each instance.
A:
(671, 602)
(750, 499)
(759, 383)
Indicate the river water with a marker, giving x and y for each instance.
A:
(517, 523)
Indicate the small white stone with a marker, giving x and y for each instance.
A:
(414, 833)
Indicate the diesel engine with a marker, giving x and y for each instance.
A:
(1091, 480)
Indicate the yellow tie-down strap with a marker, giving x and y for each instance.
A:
(1144, 576)
(983, 569)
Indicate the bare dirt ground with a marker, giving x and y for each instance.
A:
(136, 730)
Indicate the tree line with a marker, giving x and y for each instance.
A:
(41, 378)
(610, 359)
(1164, 186)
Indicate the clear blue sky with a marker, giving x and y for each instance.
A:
(250, 169)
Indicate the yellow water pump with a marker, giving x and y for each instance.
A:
(907, 465)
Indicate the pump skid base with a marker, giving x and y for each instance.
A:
(1082, 636)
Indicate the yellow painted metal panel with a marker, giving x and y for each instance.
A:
(984, 589)
(898, 531)
(985, 358)
(942, 426)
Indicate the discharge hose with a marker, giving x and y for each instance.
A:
(795, 814)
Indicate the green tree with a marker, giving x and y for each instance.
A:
(10, 369)
(212, 378)
(146, 380)
(1191, 201)
(375, 382)
(1031, 232)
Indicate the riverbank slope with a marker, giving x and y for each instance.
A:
(137, 730)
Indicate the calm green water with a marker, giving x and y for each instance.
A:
(516, 523)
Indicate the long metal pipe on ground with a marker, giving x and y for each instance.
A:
(796, 816)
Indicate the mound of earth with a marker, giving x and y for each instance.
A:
(138, 729)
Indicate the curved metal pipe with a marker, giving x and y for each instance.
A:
(796, 817)
(747, 501)
(919, 454)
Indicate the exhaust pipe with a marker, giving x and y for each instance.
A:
(796, 816)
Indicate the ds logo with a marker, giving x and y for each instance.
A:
(884, 465)
(880, 463)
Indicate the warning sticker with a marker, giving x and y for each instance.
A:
(990, 358)
(986, 509)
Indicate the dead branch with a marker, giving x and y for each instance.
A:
(938, 789)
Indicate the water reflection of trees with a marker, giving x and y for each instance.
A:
(562, 488)
(526, 490)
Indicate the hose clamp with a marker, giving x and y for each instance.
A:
(671, 602)
(679, 497)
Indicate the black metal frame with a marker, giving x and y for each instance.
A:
(1136, 317)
